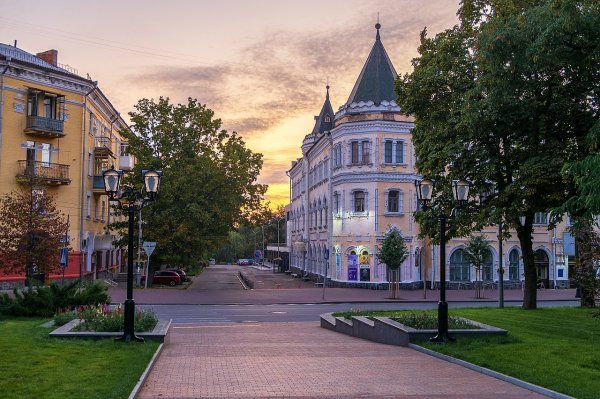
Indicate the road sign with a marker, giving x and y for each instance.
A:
(64, 258)
(149, 247)
(258, 254)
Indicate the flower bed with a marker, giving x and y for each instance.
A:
(103, 318)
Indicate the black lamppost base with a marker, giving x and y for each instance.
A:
(442, 335)
(129, 318)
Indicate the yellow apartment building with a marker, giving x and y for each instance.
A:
(61, 129)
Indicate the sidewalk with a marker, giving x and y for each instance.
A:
(302, 360)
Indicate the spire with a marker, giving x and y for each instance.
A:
(324, 121)
(376, 80)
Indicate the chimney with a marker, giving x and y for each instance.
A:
(50, 56)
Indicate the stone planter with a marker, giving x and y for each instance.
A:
(159, 333)
(387, 331)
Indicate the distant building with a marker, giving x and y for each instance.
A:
(355, 181)
(61, 129)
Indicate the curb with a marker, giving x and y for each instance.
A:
(138, 387)
(335, 302)
(491, 373)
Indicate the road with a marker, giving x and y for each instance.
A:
(274, 313)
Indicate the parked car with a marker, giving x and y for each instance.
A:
(166, 277)
(180, 272)
(244, 262)
(212, 262)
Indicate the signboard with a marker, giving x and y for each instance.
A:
(365, 274)
(149, 247)
(364, 259)
(64, 257)
(352, 267)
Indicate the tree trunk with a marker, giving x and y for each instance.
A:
(525, 239)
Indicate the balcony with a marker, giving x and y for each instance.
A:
(44, 172)
(103, 147)
(98, 185)
(44, 127)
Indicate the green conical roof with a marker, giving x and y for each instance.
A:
(376, 80)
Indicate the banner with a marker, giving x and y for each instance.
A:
(352, 267)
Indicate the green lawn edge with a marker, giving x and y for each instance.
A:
(37, 366)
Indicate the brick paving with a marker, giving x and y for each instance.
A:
(302, 360)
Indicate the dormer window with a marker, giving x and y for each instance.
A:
(327, 118)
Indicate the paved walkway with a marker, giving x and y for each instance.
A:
(302, 360)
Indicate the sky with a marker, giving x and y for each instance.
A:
(261, 65)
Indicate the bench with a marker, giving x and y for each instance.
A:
(318, 284)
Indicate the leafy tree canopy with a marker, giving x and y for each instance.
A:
(393, 249)
(32, 231)
(209, 177)
(505, 98)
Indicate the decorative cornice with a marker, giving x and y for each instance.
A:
(364, 107)
(342, 178)
(371, 127)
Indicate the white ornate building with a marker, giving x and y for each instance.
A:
(355, 180)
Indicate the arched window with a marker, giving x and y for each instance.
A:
(327, 118)
(513, 265)
(459, 266)
(487, 269)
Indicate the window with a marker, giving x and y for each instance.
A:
(46, 154)
(394, 151)
(32, 103)
(327, 118)
(360, 152)
(399, 152)
(487, 271)
(123, 148)
(513, 265)
(337, 156)
(459, 266)
(355, 151)
(393, 201)
(359, 201)
(50, 106)
(89, 205)
(388, 151)
(336, 203)
(540, 218)
(91, 127)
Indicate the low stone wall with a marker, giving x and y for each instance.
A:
(387, 331)
(159, 333)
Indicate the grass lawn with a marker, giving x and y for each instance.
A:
(36, 366)
(556, 348)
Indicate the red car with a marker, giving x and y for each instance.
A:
(166, 277)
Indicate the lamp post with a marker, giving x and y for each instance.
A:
(460, 193)
(132, 200)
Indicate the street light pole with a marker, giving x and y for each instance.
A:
(135, 200)
(460, 193)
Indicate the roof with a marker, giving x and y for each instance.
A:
(376, 80)
(20, 55)
(324, 122)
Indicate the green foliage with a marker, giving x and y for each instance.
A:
(588, 250)
(31, 231)
(571, 333)
(393, 249)
(104, 319)
(209, 178)
(477, 250)
(505, 98)
(45, 301)
(33, 363)
(429, 321)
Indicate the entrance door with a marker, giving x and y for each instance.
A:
(542, 265)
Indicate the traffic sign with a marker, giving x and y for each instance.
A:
(64, 258)
(258, 254)
(149, 247)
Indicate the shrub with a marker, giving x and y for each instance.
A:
(63, 317)
(104, 319)
(45, 301)
(426, 321)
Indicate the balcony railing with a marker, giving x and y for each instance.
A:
(42, 126)
(103, 146)
(46, 173)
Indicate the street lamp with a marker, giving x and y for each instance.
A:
(133, 201)
(460, 193)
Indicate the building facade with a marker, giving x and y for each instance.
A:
(59, 128)
(356, 180)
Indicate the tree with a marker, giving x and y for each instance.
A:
(209, 178)
(477, 252)
(505, 98)
(32, 231)
(393, 252)
(588, 257)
